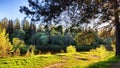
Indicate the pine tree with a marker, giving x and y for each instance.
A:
(17, 25)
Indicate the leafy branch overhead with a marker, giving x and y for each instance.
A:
(79, 11)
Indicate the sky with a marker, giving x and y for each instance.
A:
(10, 9)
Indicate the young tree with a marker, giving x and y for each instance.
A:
(5, 46)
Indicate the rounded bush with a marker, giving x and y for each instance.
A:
(39, 39)
(71, 49)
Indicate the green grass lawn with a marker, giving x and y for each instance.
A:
(86, 59)
(76, 60)
(37, 61)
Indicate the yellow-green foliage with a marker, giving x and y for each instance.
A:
(17, 41)
(18, 44)
(62, 51)
(85, 37)
(99, 49)
(27, 53)
(17, 52)
(71, 49)
(37, 61)
(113, 45)
(32, 49)
(5, 45)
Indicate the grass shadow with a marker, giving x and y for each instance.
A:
(109, 63)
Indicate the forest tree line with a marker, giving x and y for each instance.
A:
(20, 38)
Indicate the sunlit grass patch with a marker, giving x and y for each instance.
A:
(28, 62)
(84, 59)
(91, 58)
(71, 60)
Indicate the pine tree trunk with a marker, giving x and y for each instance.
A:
(117, 35)
(117, 24)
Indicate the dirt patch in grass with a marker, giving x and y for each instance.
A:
(95, 56)
(57, 65)
(64, 58)
(78, 57)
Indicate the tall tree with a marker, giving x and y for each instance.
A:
(25, 27)
(117, 23)
(17, 24)
(32, 28)
(79, 11)
(4, 23)
(10, 27)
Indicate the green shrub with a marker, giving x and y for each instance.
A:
(17, 43)
(84, 48)
(18, 34)
(51, 48)
(68, 40)
(39, 39)
(71, 49)
(23, 49)
(61, 40)
(56, 40)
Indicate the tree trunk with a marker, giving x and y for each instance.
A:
(117, 24)
(117, 35)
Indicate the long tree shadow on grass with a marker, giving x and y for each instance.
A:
(113, 62)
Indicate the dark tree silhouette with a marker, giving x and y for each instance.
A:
(47, 8)
(32, 28)
(10, 27)
(26, 27)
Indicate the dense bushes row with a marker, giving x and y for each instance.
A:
(43, 39)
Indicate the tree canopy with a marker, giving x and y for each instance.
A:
(79, 11)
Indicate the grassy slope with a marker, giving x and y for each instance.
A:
(78, 60)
